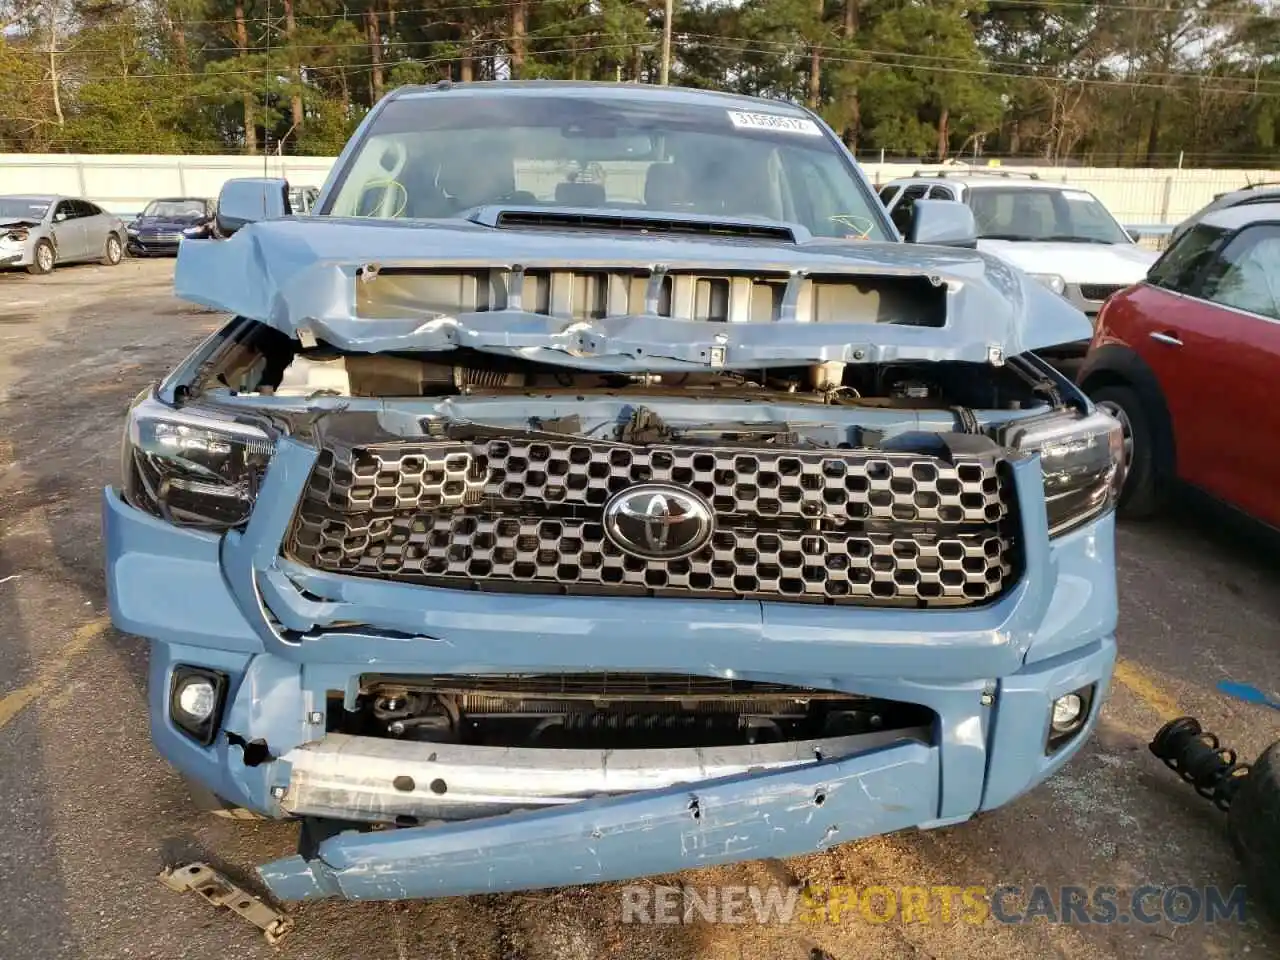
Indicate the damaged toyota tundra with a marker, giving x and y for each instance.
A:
(595, 486)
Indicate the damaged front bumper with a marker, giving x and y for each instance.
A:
(290, 640)
(13, 255)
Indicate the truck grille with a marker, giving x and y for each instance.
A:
(832, 526)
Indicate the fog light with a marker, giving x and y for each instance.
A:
(197, 698)
(195, 701)
(1066, 711)
(1067, 717)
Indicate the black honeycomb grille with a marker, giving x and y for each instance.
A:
(836, 527)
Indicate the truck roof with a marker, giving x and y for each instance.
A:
(600, 90)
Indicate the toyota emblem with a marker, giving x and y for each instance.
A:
(658, 522)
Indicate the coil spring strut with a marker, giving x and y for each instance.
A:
(1197, 756)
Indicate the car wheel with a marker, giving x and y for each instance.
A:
(1253, 823)
(44, 258)
(1144, 485)
(113, 253)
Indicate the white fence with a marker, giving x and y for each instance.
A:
(124, 183)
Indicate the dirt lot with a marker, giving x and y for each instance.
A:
(91, 813)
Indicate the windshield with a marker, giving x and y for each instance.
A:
(22, 208)
(180, 209)
(444, 156)
(1012, 213)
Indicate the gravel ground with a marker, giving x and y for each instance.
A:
(92, 813)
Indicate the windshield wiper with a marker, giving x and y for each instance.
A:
(1073, 238)
(1006, 236)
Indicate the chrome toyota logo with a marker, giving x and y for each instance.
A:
(658, 522)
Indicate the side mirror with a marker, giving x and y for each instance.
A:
(943, 223)
(250, 199)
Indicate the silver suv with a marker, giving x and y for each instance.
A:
(1059, 234)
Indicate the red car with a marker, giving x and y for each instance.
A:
(1185, 360)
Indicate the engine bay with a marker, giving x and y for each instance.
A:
(258, 360)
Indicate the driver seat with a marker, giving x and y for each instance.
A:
(481, 177)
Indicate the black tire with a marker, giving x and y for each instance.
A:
(1146, 484)
(1254, 826)
(43, 260)
(112, 251)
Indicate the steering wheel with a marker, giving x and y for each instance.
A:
(861, 226)
(394, 195)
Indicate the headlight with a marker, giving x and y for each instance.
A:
(193, 231)
(131, 231)
(1051, 280)
(18, 235)
(1082, 459)
(193, 466)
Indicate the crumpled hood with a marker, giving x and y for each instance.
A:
(300, 275)
(1122, 263)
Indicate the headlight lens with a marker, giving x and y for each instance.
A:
(193, 466)
(1051, 280)
(17, 235)
(193, 231)
(1082, 460)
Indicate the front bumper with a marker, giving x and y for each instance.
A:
(144, 247)
(989, 674)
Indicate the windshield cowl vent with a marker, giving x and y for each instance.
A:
(647, 223)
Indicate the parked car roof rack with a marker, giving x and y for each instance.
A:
(967, 172)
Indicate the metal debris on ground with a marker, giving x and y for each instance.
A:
(221, 892)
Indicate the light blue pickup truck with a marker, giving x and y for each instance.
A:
(597, 485)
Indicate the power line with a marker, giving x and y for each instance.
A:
(982, 71)
(353, 15)
(839, 54)
(542, 33)
(1102, 7)
(354, 68)
(833, 52)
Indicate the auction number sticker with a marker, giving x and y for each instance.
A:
(1082, 196)
(771, 121)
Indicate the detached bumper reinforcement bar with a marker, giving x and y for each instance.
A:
(373, 779)
(776, 813)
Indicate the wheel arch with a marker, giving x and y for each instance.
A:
(1117, 365)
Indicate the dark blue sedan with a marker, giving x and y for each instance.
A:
(162, 225)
